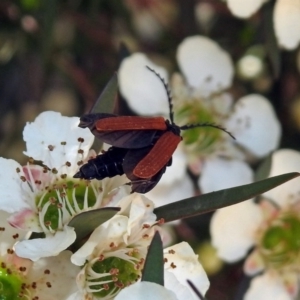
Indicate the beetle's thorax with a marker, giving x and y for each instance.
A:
(173, 127)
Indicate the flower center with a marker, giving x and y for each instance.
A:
(62, 200)
(107, 276)
(12, 284)
(280, 243)
(202, 140)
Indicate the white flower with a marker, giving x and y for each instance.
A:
(115, 252)
(114, 255)
(43, 199)
(286, 16)
(48, 278)
(271, 227)
(199, 97)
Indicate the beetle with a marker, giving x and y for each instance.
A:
(141, 147)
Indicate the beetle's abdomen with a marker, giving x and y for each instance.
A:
(108, 164)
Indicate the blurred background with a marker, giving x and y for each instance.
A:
(59, 55)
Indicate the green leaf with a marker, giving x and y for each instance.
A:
(263, 170)
(86, 222)
(211, 201)
(106, 103)
(270, 39)
(154, 264)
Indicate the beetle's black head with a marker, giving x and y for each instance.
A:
(173, 127)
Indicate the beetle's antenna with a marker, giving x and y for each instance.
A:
(190, 126)
(168, 94)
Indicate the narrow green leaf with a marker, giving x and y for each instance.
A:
(86, 222)
(154, 264)
(270, 39)
(263, 170)
(106, 101)
(211, 201)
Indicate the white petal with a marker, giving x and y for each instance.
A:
(49, 246)
(164, 194)
(267, 286)
(61, 277)
(115, 194)
(206, 66)
(137, 207)
(139, 212)
(218, 174)
(110, 231)
(254, 124)
(245, 8)
(143, 90)
(147, 291)
(285, 161)
(187, 267)
(51, 129)
(8, 235)
(287, 23)
(233, 229)
(26, 219)
(13, 191)
(36, 173)
(182, 292)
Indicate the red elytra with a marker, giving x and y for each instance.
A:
(131, 123)
(162, 150)
(158, 157)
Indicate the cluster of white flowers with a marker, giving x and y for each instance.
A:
(42, 196)
(200, 96)
(271, 229)
(39, 200)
